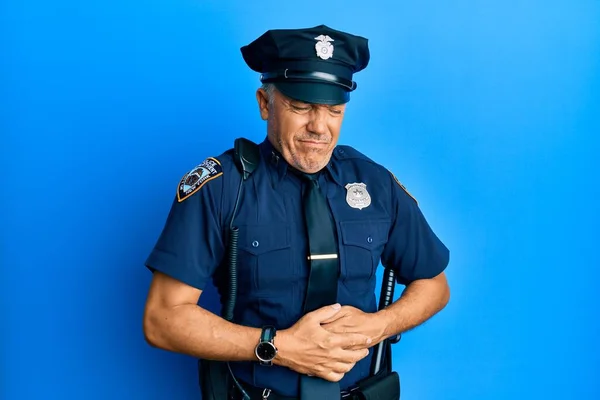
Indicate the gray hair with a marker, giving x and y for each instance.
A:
(269, 88)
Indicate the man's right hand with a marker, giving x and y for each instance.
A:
(308, 348)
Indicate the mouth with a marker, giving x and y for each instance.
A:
(313, 143)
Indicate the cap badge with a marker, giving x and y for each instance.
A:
(357, 195)
(323, 47)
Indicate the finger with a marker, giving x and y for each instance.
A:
(324, 313)
(342, 368)
(351, 340)
(331, 376)
(359, 347)
(363, 355)
(350, 356)
(335, 327)
(343, 312)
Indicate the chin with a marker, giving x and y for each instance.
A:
(311, 166)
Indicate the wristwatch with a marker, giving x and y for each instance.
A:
(265, 349)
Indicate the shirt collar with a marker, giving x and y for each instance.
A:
(274, 161)
(278, 166)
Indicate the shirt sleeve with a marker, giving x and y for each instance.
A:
(413, 250)
(190, 246)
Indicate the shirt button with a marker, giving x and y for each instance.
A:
(255, 243)
(369, 239)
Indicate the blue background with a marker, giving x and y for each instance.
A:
(488, 111)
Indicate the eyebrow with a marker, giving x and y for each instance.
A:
(302, 103)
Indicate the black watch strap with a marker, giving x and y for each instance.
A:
(268, 334)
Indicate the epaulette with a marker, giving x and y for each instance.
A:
(404, 188)
(191, 182)
(344, 152)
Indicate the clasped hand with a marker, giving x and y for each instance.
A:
(329, 341)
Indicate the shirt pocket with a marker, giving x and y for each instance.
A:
(264, 259)
(363, 243)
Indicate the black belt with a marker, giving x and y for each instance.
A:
(259, 394)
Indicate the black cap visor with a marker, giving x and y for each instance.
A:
(314, 92)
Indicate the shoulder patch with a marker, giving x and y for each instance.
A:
(404, 188)
(191, 182)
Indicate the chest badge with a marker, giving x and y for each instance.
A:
(357, 195)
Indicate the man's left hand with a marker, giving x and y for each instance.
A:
(352, 320)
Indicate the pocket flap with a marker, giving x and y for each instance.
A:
(260, 239)
(368, 234)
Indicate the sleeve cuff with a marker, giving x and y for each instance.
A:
(169, 265)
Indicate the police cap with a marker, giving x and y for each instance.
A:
(314, 65)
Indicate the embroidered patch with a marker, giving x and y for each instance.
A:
(404, 188)
(192, 181)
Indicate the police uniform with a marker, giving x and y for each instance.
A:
(376, 219)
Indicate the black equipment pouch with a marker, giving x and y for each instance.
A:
(383, 386)
(214, 379)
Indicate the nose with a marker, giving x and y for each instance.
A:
(318, 121)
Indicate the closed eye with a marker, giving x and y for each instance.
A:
(300, 108)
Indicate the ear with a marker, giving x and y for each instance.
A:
(263, 103)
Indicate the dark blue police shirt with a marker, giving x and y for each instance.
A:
(272, 264)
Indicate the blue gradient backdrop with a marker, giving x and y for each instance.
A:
(488, 111)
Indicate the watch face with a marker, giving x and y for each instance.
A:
(265, 351)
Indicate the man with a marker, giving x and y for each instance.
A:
(310, 211)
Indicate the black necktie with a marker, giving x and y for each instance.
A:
(323, 276)
(323, 254)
